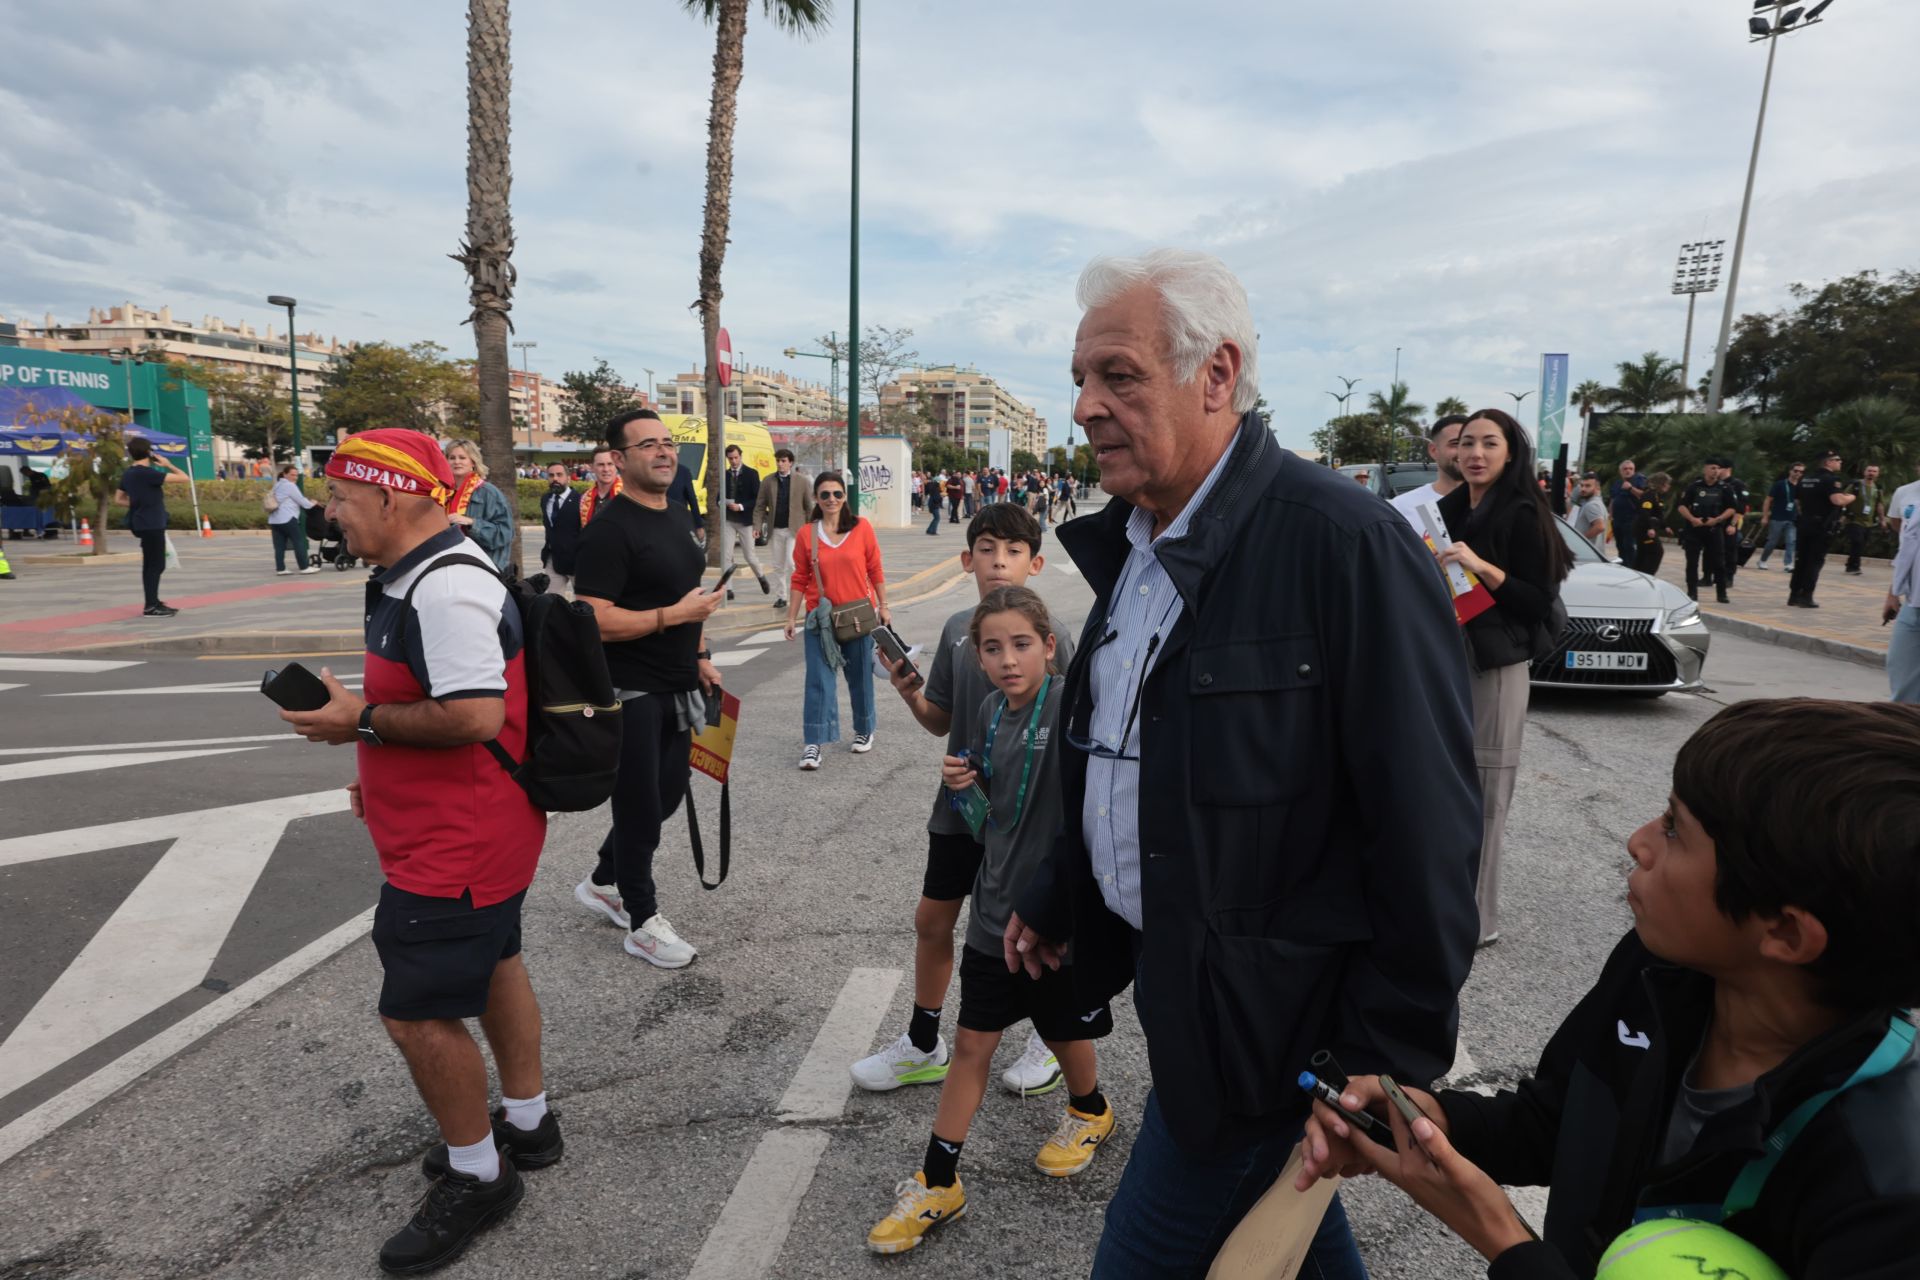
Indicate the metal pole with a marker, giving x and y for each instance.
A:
(1686, 357)
(1740, 237)
(293, 384)
(527, 388)
(853, 290)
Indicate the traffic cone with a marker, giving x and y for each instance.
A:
(206, 527)
(6, 570)
(86, 534)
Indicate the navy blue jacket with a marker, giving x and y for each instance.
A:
(1310, 824)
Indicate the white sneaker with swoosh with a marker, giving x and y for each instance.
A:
(657, 944)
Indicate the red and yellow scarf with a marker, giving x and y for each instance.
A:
(591, 498)
(463, 494)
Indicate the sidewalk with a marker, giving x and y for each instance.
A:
(230, 600)
(1846, 625)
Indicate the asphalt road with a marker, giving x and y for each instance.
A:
(147, 898)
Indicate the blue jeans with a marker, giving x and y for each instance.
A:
(821, 716)
(1780, 531)
(1903, 656)
(1173, 1210)
(934, 525)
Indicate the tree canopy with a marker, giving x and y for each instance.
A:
(594, 397)
(1848, 339)
(381, 384)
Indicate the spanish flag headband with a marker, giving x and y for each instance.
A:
(394, 458)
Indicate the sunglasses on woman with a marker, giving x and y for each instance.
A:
(835, 494)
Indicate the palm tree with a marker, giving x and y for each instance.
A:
(1873, 429)
(1398, 416)
(1450, 406)
(729, 17)
(1646, 384)
(487, 251)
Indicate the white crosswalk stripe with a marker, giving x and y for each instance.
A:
(766, 637)
(72, 666)
(146, 746)
(59, 765)
(735, 657)
(164, 936)
(218, 686)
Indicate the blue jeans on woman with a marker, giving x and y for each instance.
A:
(289, 535)
(821, 714)
(1174, 1209)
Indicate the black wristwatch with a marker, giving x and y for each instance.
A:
(705, 655)
(367, 735)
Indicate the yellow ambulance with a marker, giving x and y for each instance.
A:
(689, 432)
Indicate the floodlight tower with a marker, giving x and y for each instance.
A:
(1697, 272)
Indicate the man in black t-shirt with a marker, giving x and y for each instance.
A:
(141, 493)
(641, 574)
(1742, 499)
(1822, 497)
(1706, 507)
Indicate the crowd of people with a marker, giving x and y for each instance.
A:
(1052, 497)
(1187, 802)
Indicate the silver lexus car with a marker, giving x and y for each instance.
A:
(1628, 632)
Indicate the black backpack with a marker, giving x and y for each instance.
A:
(573, 718)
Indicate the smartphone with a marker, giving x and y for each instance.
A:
(1409, 1109)
(972, 804)
(295, 688)
(893, 649)
(725, 574)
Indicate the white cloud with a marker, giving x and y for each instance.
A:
(1473, 183)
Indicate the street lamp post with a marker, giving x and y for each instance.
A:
(1781, 23)
(1518, 396)
(832, 356)
(293, 377)
(853, 289)
(1341, 398)
(649, 373)
(527, 388)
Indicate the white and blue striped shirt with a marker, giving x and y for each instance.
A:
(1141, 611)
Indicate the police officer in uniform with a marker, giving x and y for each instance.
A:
(1706, 508)
(1822, 497)
(1742, 498)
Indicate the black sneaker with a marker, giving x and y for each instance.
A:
(456, 1208)
(766, 588)
(1721, 595)
(158, 611)
(1806, 602)
(531, 1149)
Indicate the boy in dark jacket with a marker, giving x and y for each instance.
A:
(1746, 1057)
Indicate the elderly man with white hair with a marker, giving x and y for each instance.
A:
(1273, 814)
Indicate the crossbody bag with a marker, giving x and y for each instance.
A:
(850, 621)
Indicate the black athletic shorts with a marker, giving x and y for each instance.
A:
(991, 999)
(953, 864)
(439, 954)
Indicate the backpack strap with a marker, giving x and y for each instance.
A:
(492, 745)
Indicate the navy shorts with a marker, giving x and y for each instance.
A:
(953, 864)
(992, 999)
(439, 954)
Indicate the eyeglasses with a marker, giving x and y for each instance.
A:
(648, 446)
(1079, 726)
(830, 495)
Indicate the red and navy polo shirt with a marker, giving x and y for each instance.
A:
(446, 820)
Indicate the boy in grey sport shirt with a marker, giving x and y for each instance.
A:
(1003, 549)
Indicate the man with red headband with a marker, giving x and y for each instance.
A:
(457, 837)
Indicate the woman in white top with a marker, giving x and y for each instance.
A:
(289, 525)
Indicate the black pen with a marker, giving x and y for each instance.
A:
(1320, 1089)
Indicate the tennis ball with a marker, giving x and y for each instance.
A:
(1684, 1249)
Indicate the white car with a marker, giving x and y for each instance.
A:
(1627, 632)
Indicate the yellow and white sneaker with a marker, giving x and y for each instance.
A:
(917, 1209)
(1074, 1143)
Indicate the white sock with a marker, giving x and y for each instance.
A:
(481, 1160)
(526, 1113)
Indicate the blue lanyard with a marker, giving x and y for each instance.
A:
(1745, 1191)
(1026, 766)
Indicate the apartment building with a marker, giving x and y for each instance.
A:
(969, 404)
(756, 395)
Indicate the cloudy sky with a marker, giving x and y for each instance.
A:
(1472, 182)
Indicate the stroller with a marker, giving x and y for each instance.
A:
(331, 541)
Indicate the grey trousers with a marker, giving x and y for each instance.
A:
(741, 536)
(1499, 723)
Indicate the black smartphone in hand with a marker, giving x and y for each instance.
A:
(295, 688)
(721, 585)
(894, 650)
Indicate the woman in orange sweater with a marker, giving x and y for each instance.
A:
(847, 555)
